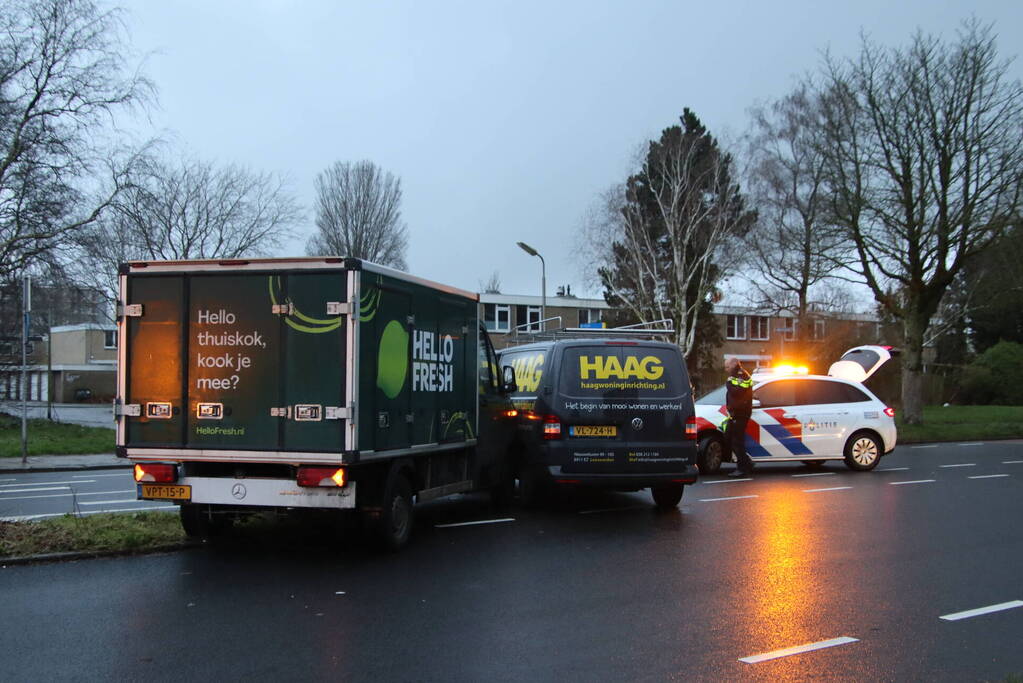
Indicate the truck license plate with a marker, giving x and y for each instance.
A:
(593, 430)
(166, 491)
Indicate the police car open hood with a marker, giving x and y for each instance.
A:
(859, 363)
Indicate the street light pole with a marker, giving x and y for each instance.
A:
(543, 279)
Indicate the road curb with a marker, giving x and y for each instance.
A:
(94, 554)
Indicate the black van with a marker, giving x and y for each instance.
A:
(608, 413)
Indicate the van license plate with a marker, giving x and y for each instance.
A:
(593, 430)
(167, 491)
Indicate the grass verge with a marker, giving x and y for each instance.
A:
(135, 532)
(964, 423)
(53, 438)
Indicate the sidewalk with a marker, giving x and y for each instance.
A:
(63, 463)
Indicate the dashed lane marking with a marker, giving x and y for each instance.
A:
(928, 445)
(979, 443)
(727, 481)
(956, 616)
(113, 502)
(48, 488)
(833, 488)
(26, 518)
(119, 474)
(47, 483)
(628, 507)
(64, 495)
(814, 474)
(988, 476)
(915, 481)
(714, 500)
(893, 469)
(961, 464)
(797, 650)
(1012, 462)
(477, 522)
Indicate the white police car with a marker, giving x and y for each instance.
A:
(808, 418)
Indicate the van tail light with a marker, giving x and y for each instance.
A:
(889, 411)
(322, 476)
(161, 474)
(551, 427)
(691, 427)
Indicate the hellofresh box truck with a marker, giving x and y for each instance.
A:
(307, 383)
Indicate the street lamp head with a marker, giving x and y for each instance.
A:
(528, 249)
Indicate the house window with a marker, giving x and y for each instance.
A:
(759, 328)
(497, 317)
(590, 315)
(109, 339)
(819, 330)
(788, 332)
(735, 327)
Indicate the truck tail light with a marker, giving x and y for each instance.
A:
(889, 411)
(691, 427)
(551, 427)
(322, 476)
(161, 474)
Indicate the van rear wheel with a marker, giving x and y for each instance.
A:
(667, 496)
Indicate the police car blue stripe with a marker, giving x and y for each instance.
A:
(785, 438)
(755, 450)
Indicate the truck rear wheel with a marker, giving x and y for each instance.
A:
(199, 523)
(397, 514)
(667, 496)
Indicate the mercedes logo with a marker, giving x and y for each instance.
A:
(238, 491)
(637, 423)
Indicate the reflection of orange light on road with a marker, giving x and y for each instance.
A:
(784, 588)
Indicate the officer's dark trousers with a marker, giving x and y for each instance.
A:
(736, 434)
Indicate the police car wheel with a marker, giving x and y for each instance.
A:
(862, 451)
(711, 454)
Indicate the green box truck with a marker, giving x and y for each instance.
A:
(326, 383)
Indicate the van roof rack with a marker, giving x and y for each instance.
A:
(657, 329)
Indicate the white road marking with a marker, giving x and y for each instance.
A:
(28, 518)
(987, 476)
(126, 473)
(927, 445)
(714, 500)
(962, 464)
(64, 495)
(339, 592)
(47, 483)
(979, 443)
(956, 616)
(112, 502)
(8, 480)
(797, 650)
(833, 488)
(814, 474)
(1012, 462)
(893, 469)
(726, 481)
(593, 512)
(50, 488)
(915, 481)
(481, 521)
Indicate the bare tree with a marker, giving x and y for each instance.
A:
(794, 247)
(63, 75)
(358, 214)
(925, 169)
(668, 232)
(190, 209)
(492, 285)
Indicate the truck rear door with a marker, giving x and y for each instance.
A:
(236, 361)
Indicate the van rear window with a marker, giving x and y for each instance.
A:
(621, 372)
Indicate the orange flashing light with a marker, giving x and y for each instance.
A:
(786, 369)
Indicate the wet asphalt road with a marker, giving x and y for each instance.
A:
(578, 592)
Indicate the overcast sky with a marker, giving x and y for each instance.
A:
(504, 120)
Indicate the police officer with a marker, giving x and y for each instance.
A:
(739, 401)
